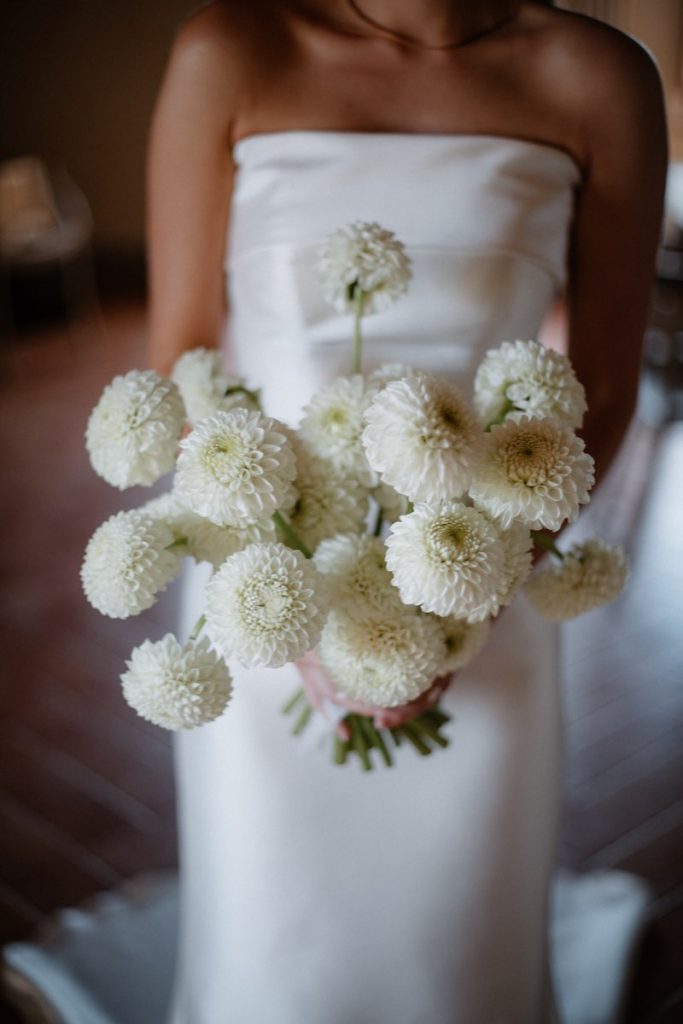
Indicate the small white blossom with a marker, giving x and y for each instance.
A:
(328, 501)
(363, 256)
(176, 687)
(392, 504)
(128, 563)
(204, 386)
(333, 423)
(203, 540)
(527, 377)
(447, 559)
(354, 566)
(533, 470)
(266, 605)
(133, 431)
(236, 468)
(382, 657)
(463, 641)
(591, 574)
(388, 372)
(423, 438)
(517, 564)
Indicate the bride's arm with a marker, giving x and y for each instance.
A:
(189, 183)
(614, 241)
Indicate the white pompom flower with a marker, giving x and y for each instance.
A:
(354, 566)
(423, 438)
(388, 372)
(517, 546)
(203, 540)
(383, 657)
(177, 687)
(236, 468)
(328, 501)
(527, 377)
(332, 426)
(591, 574)
(266, 606)
(205, 388)
(464, 640)
(128, 562)
(391, 504)
(447, 559)
(365, 257)
(533, 470)
(133, 431)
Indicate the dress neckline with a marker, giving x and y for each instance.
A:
(294, 134)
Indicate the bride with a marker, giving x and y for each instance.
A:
(519, 152)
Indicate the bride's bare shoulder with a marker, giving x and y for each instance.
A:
(230, 33)
(603, 82)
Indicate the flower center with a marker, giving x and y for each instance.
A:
(529, 459)
(227, 458)
(450, 540)
(266, 603)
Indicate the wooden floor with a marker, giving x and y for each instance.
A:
(86, 793)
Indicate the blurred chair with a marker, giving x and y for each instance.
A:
(45, 227)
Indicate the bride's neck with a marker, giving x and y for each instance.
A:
(436, 22)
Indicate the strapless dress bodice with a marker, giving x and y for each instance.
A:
(485, 220)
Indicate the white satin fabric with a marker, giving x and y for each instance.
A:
(313, 894)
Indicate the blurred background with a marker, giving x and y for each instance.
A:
(86, 794)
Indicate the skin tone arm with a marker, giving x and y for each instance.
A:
(614, 241)
(189, 184)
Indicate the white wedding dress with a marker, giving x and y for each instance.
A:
(313, 894)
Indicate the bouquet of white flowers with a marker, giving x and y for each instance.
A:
(386, 532)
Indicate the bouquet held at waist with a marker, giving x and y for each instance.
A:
(384, 534)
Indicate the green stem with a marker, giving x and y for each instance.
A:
(508, 406)
(359, 744)
(341, 750)
(411, 733)
(378, 522)
(430, 730)
(359, 302)
(303, 720)
(290, 535)
(253, 396)
(381, 745)
(295, 699)
(198, 627)
(181, 542)
(542, 540)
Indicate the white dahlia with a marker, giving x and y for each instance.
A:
(133, 431)
(355, 569)
(517, 564)
(328, 501)
(363, 256)
(206, 388)
(127, 563)
(388, 372)
(266, 605)
(448, 559)
(591, 574)
(177, 687)
(526, 377)
(203, 540)
(423, 438)
(332, 426)
(463, 641)
(236, 468)
(535, 471)
(382, 657)
(390, 502)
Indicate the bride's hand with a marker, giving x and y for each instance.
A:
(318, 688)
